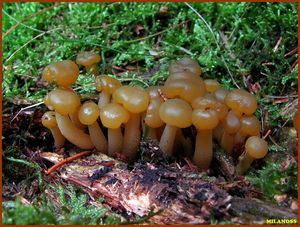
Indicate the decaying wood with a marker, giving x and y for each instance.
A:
(174, 191)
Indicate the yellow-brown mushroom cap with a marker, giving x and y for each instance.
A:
(49, 120)
(208, 101)
(250, 125)
(176, 112)
(63, 73)
(221, 94)
(211, 85)
(113, 115)
(241, 101)
(256, 147)
(88, 113)
(107, 84)
(64, 101)
(187, 89)
(205, 119)
(87, 58)
(185, 64)
(152, 116)
(134, 99)
(153, 91)
(182, 75)
(231, 123)
(47, 102)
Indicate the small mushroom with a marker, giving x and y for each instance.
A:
(49, 121)
(211, 85)
(136, 101)
(89, 60)
(255, 148)
(63, 73)
(206, 115)
(113, 116)
(106, 85)
(186, 89)
(185, 65)
(250, 126)
(88, 114)
(220, 94)
(66, 102)
(151, 118)
(241, 102)
(176, 113)
(231, 125)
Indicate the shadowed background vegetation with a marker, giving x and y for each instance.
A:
(247, 45)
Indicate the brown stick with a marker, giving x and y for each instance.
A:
(67, 160)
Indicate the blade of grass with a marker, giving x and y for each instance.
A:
(25, 19)
(213, 35)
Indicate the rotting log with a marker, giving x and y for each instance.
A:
(173, 190)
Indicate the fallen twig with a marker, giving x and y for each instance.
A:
(67, 160)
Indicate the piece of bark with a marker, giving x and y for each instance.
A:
(154, 184)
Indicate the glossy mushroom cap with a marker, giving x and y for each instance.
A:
(220, 94)
(182, 75)
(134, 99)
(209, 102)
(187, 89)
(241, 101)
(88, 113)
(185, 64)
(211, 85)
(87, 58)
(250, 125)
(64, 101)
(231, 123)
(205, 119)
(176, 112)
(63, 73)
(47, 101)
(113, 115)
(153, 92)
(49, 120)
(107, 84)
(256, 147)
(152, 116)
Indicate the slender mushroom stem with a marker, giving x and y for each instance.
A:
(74, 118)
(59, 139)
(104, 98)
(151, 133)
(244, 164)
(227, 142)
(167, 139)
(98, 137)
(73, 134)
(115, 141)
(203, 149)
(132, 136)
(239, 137)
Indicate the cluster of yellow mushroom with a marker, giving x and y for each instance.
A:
(162, 111)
